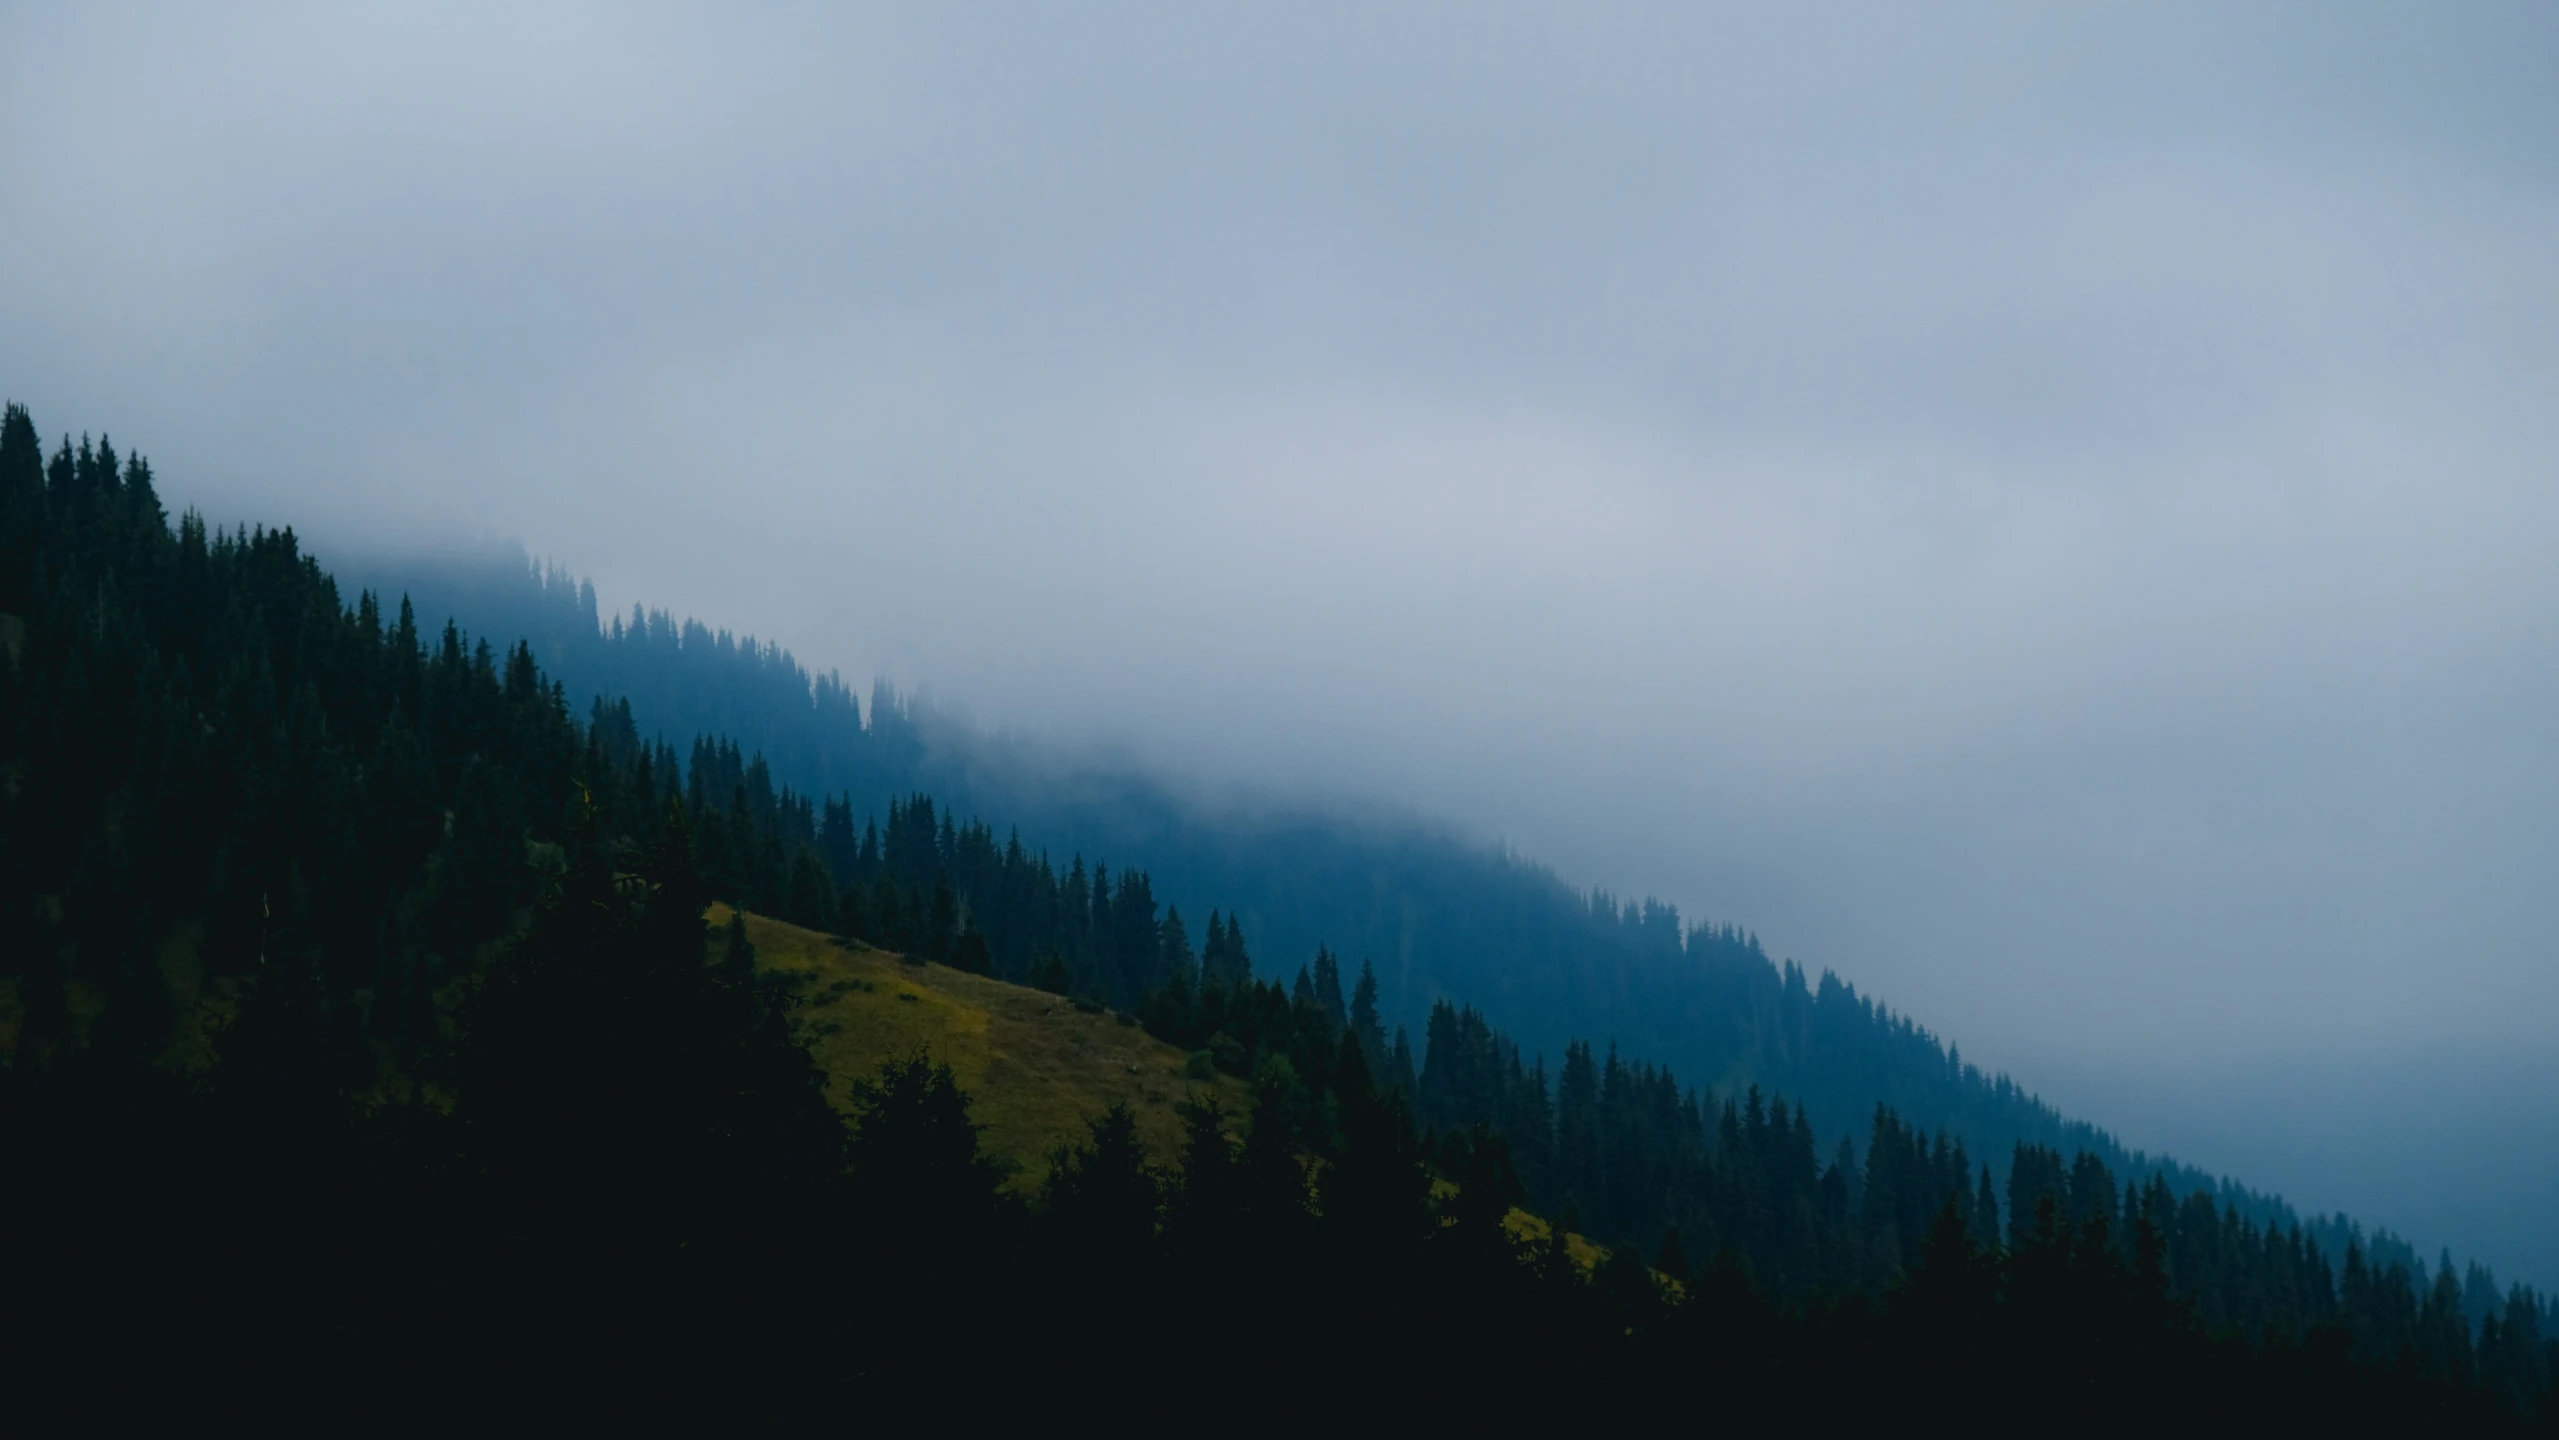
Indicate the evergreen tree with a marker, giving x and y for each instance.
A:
(1327, 988)
(1173, 948)
(1101, 1194)
(914, 1153)
(1365, 1026)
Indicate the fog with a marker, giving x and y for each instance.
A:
(2048, 511)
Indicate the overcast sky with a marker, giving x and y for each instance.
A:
(2047, 510)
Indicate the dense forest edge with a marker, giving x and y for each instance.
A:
(1438, 922)
(387, 968)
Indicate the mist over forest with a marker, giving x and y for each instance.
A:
(1367, 879)
(1992, 563)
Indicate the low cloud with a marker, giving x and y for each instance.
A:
(2047, 512)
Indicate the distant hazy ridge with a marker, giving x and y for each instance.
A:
(1440, 918)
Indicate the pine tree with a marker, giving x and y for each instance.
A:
(1226, 964)
(942, 922)
(914, 1152)
(1175, 963)
(1327, 988)
(1201, 1215)
(1375, 1194)
(1364, 1024)
(1213, 971)
(1101, 1194)
(21, 509)
(1272, 1177)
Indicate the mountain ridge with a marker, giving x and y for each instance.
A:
(406, 862)
(1543, 960)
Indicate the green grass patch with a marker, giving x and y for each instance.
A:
(1036, 1067)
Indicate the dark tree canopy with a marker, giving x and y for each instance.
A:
(370, 1046)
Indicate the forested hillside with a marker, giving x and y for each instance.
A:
(1439, 919)
(366, 1028)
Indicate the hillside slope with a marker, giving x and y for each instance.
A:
(1441, 918)
(1036, 1067)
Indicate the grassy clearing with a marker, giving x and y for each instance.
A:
(1035, 1067)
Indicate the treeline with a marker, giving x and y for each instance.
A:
(203, 736)
(705, 1227)
(924, 884)
(367, 1022)
(204, 743)
(1443, 918)
(1614, 1147)
(1623, 1150)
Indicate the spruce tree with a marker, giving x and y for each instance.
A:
(1203, 1211)
(1101, 1195)
(1364, 1024)
(1399, 1066)
(1213, 965)
(1175, 964)
(1328, 988)
(915, 1159)
(1986, 1211)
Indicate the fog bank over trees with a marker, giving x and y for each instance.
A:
(2048, 515)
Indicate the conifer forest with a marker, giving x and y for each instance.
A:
(371, 1051)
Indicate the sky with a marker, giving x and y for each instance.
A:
(2048, 511)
